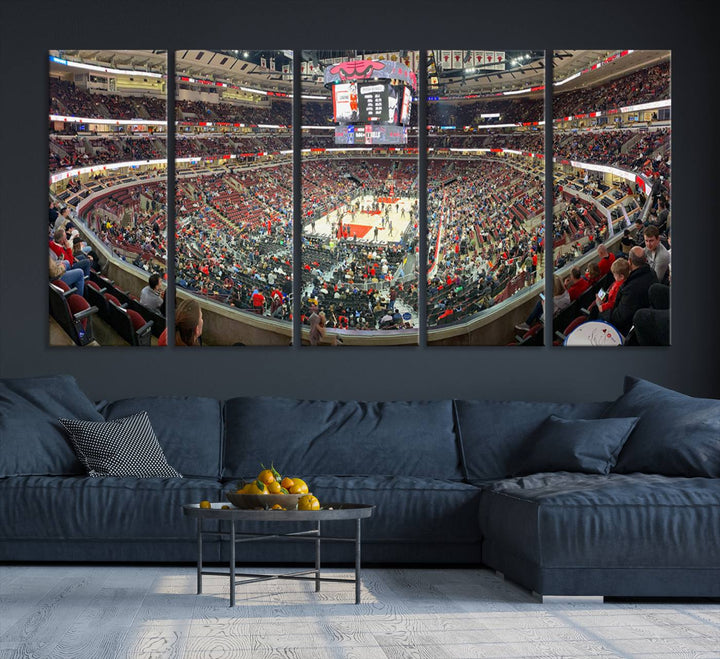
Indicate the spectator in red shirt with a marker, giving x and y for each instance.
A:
(576, 284)
(63, 250)
(59, 245)
(606, 260)
(258, 301)
(620, 269)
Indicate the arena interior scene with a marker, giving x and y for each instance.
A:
(397, 247)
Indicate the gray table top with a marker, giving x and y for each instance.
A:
(329, 511)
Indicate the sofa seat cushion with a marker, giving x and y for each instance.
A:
(570, 520)
(103, 508)
(353, 438)
(188, 428)
(407, 509)
(494, 435)
(32, 441)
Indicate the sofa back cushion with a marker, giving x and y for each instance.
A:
(677, 435)
(493, 434)
(188, 428)
(32, 440)
(313, 437)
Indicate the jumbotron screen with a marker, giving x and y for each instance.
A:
(370, 102)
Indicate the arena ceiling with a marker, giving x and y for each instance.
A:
(244, 67)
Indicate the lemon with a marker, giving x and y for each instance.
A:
(308, 502)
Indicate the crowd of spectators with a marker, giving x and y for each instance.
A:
(346, 281)
(66, 98)
(234, 238)
(485, 225)
(79, 152)
(649, 84)
(133, 222)
(643, 86)
(627, 149)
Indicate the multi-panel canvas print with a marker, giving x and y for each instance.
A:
(359, 198)
(107, 197)
(339, 231)
(234, 195)
(611, 203)
(485, 202)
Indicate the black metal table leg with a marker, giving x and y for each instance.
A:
(317, 560)
(200, 559)
(232, 562)
(357, 561)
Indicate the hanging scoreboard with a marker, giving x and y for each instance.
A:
(367, 102)
(372, 101)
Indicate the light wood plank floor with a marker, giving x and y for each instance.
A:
(93, 612)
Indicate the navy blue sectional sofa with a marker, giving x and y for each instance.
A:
(614, 498)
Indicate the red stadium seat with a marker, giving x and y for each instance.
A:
(72, 312)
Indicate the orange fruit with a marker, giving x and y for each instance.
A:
(266, 476)
(277, 506)
(274, 487)
(256, 487)
(299, 487)
(205, 504)
(287, 482)
(308, 502)
(225, 507)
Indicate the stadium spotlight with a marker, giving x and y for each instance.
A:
(246, 53)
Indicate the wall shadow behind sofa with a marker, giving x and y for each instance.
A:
(690, 365)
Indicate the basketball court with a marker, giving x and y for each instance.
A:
(360, 219)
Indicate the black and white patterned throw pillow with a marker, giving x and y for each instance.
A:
(121, 447)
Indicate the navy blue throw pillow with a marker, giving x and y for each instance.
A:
(677, 435)
(589, 446)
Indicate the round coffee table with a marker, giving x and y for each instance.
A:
(329, 513)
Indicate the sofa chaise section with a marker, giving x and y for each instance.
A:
(639, 535)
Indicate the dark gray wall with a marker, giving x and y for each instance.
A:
(30, 29)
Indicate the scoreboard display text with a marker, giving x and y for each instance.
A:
(371, 102)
